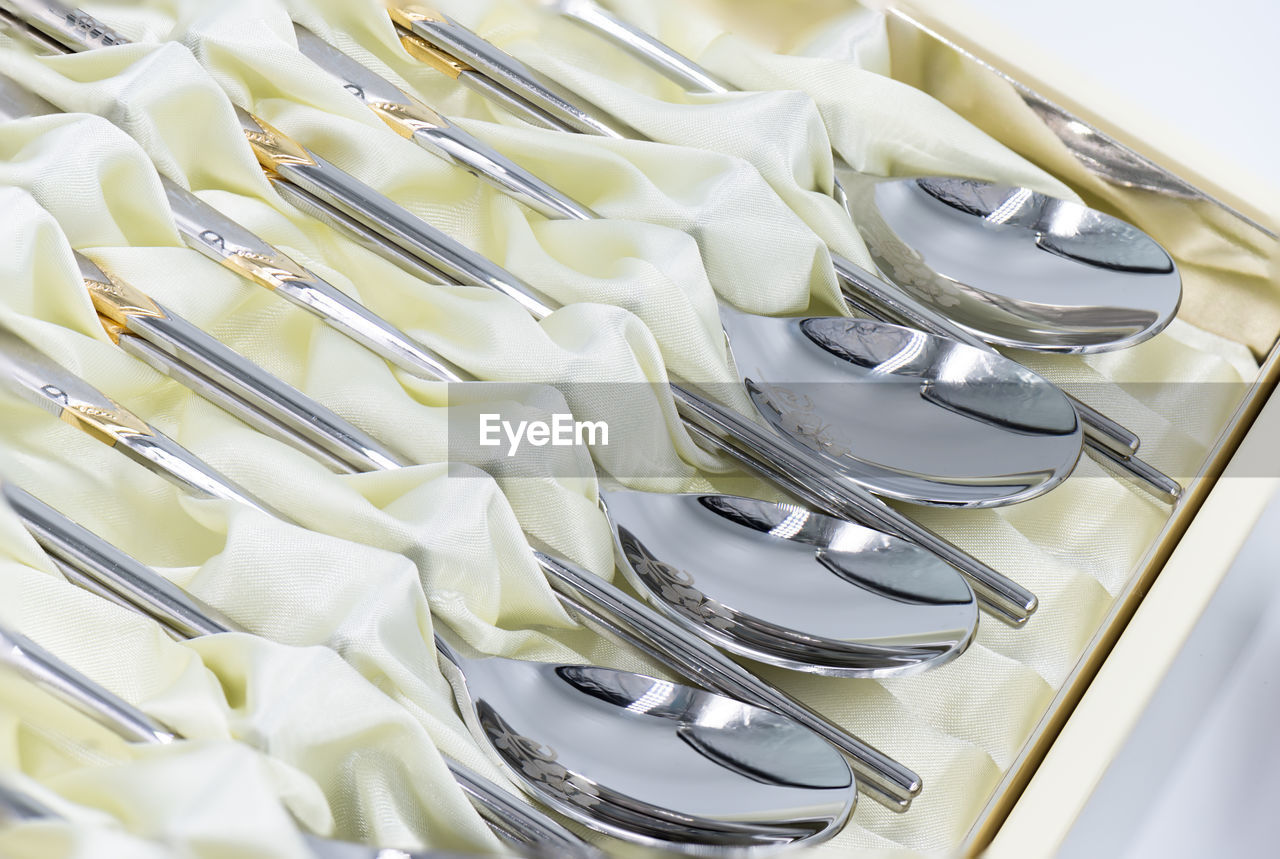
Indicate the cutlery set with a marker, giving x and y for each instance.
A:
(849, 413)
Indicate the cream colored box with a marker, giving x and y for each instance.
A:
(982, 71)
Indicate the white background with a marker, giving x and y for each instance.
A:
(1209, 67)
(1200, 776)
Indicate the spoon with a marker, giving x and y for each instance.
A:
(992, 463)
(28, 660)
(880, 606)
(788, 587)
(596, 744)
(585, 595)
(1070, 279)
(1110, 443)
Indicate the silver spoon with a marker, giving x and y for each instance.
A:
(36, 377)
(1110, 443)
(28, 660)
(1070, 279)
(938, 236)
(880, 606)
(991, 462)
(599, 745)
(787, 587)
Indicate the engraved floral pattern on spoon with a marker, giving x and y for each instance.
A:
(676, 587)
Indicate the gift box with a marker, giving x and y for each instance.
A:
(745, 175)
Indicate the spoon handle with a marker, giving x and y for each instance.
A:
(211, 233)
(34, 376)
(412, 119)
(658, 55)
(174, 346)
(294, 165)
(662, 58)
(33, 663)
(888, 781)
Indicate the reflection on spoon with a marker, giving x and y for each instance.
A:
(1016, 267)
(791, 587)
(667, 764)
(922, 418)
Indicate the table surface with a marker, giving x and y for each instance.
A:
(1200, 775)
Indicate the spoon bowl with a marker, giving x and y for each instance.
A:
(1016, 267)
(671, 766)
(915, 417)
(791, 587)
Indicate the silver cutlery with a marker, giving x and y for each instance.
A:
(642, 759)
(787, 587)
(936, 236)
(766, 370)
(209, 232)
(771, 582)
(995, 458)
(601, 605)
(1109, 443)
(1003, 597)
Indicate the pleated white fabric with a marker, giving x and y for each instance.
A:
(730, 204)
